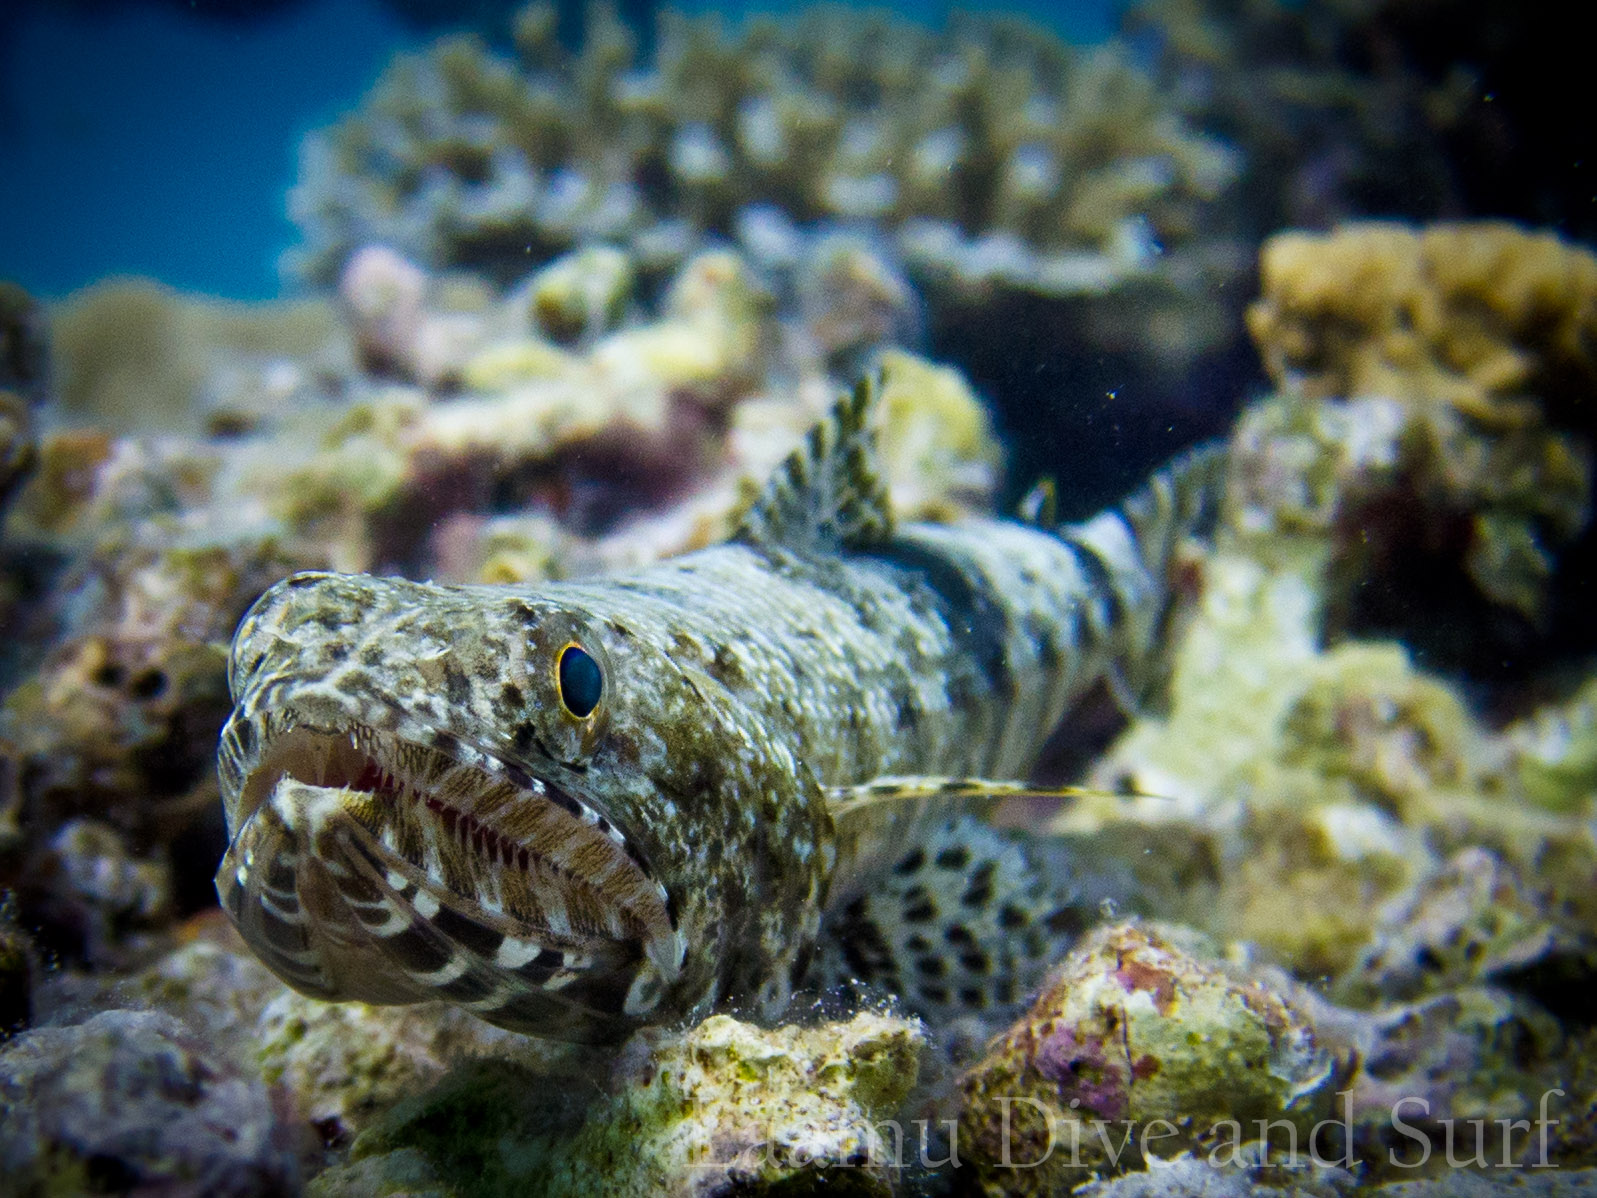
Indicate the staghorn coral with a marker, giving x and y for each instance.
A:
(1032, 190)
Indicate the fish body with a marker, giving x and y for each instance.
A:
(577, 808)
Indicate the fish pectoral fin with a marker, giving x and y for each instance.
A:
(874, 820)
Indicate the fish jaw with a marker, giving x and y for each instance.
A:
(365, 865)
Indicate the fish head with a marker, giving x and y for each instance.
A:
(509, 799)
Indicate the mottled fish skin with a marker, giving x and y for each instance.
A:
(418, 813)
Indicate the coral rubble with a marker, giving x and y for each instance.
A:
(132, 1101)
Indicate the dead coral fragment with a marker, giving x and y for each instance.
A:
(130, 1101)
(1134, 1038)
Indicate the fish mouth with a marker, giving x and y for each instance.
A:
(366, 864)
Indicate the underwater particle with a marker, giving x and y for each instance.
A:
(1131, 1030)
(131, 1101)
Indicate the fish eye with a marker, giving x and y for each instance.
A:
(581, 683)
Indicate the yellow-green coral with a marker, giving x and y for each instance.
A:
(938, 446)
(1135, 1044)
(1440, 372)
(1478, 316)
(733, 1102)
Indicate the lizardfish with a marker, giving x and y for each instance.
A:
(578, 808)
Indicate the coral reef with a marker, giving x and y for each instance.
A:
(1000, 154)
(1033, 191)
(1429, 425)
(1132, 1033)
(585, 300)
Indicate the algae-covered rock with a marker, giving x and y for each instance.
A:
(723, 1108)
(1555, 752)
(19, 971)
(582, 294)
(1475, 920)
(1470, 1053)
(1137, 1049)
(346, 1064)
(1195, 1177)
(132, 1102)
(793, 1110)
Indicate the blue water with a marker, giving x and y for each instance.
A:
(145, 140)
(141, 140)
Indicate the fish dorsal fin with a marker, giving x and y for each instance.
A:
(877, 821)
(830, 492)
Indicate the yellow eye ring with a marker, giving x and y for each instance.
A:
(579, 680)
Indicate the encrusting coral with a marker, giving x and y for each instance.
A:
(1431, 424)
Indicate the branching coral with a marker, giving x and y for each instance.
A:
(999, 153)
